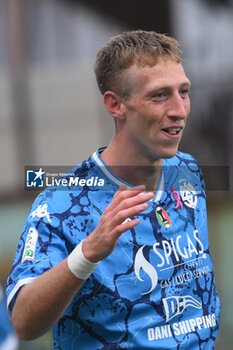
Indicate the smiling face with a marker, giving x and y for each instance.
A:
(157, 110)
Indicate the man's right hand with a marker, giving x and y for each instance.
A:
(125, 204)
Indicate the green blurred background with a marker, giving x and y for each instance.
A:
(51, 112)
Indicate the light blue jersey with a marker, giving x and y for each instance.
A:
(8, 339)
(156, 290)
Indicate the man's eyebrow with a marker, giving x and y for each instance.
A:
(185, 84)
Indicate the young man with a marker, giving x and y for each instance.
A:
(125, 265)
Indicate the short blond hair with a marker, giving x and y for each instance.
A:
(139, 47)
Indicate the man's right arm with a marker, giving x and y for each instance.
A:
(40, 304)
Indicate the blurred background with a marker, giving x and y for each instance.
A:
(51, 112)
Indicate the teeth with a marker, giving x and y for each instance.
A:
(173, 129)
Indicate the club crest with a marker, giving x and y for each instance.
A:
(188, 194)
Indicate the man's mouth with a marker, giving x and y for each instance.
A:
(172, 131)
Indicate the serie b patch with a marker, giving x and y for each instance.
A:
(30, 245)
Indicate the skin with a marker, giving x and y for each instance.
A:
(159, 100)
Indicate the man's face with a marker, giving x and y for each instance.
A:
(158, 108)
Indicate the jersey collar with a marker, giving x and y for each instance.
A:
(114, 178)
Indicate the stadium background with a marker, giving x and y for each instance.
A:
(51, 112)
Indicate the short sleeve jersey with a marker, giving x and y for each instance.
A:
(157, 288)
(8, 339)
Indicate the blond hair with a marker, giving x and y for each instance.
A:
(139, 47)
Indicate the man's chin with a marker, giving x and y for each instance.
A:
(169, 154)
(163, 153)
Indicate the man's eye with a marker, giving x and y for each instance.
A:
(160, 96)
(184, 92)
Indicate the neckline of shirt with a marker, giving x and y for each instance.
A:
(118, 181)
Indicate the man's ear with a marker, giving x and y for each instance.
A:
(114, 105)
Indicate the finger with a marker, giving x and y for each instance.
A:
(129, 191)
(123, 187)
(139, 198)
(122, 196)
(125, 227)
(131, 202)
(124, 214)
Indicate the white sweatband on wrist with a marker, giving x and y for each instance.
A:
(79, 265)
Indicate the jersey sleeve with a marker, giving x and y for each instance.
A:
(41, 246)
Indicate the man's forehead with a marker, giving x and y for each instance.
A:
(168, 72)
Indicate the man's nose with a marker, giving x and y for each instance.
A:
(179, 106)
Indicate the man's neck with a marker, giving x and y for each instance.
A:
(131, 167)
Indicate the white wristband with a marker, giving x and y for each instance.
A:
(79, 265)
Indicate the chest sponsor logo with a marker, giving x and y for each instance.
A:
(170, 254)
(188, 194)
(41, 212)
(163, 217)
(141, 263)
(30, 245)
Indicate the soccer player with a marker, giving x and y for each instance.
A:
(120, 258)
(8, 339)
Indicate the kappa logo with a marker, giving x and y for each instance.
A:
(188, 194)
(41, 212)
(174, 306)
(163, 217)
